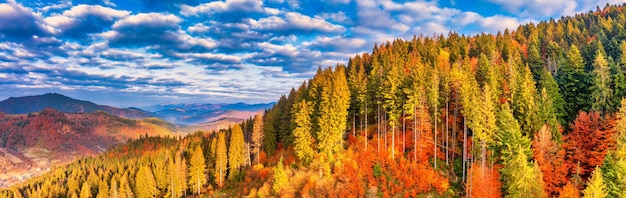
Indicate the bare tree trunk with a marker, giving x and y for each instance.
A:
(198, 181)
(354, 124)
(470, 176)
(456, 114)
(361, 123)
(483, 155)
(435, 143)
(378, 126)
(464, 147)
(415, 132)
(447, 143)
(403, 132)
(365, 127)
(249, 156)
(419, 131)
(385, 128)
(393, 141)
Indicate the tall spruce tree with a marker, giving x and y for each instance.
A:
(197, 170)
(304, 142)
(145, 184)
(601, 92)
(574, 84)
(333, 110)
(235, 151)
(221, 158)
(257, 135)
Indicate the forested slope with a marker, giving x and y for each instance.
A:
(531, 112)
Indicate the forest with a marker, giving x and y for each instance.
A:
(538, 111)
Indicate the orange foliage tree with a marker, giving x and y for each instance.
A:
(587, 142)
(485, 181)
(570, 191)
(550, 158)
(363, 170)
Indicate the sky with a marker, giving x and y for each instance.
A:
(144, 52)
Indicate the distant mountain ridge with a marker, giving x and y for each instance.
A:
(205, 113)
(32, 104)
(177, 113)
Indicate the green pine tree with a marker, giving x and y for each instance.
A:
(574, 84)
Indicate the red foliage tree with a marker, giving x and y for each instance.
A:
(587, 142)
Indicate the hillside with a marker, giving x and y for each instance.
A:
(539, 111)
(44, 139)
(31, 104)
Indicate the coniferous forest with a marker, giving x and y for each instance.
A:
(537, 111)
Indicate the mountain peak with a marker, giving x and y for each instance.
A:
(62, 103)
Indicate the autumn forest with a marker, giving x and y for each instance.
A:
(537, 111)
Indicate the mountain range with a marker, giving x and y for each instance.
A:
(177, 113)
(31, 104)
(191, 114)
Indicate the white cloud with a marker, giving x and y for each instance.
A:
(466, 18)
(148, 19)
(307, 23)
(294, 21)
(541, 8)
(210, 56)
(227, 6)
(198, 28)
(498, 23)
(430, 28)
(60, 20)
(109, 3)
(95, 10)
(189, 41)
(74, 18)
(287, 50)
(370, 15)
(338, 17)
(62, 5)
(17, 18)
(336, 43)
(269, 23)
(128, 54)
(108, 35)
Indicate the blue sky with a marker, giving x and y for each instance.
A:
(143, 52)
